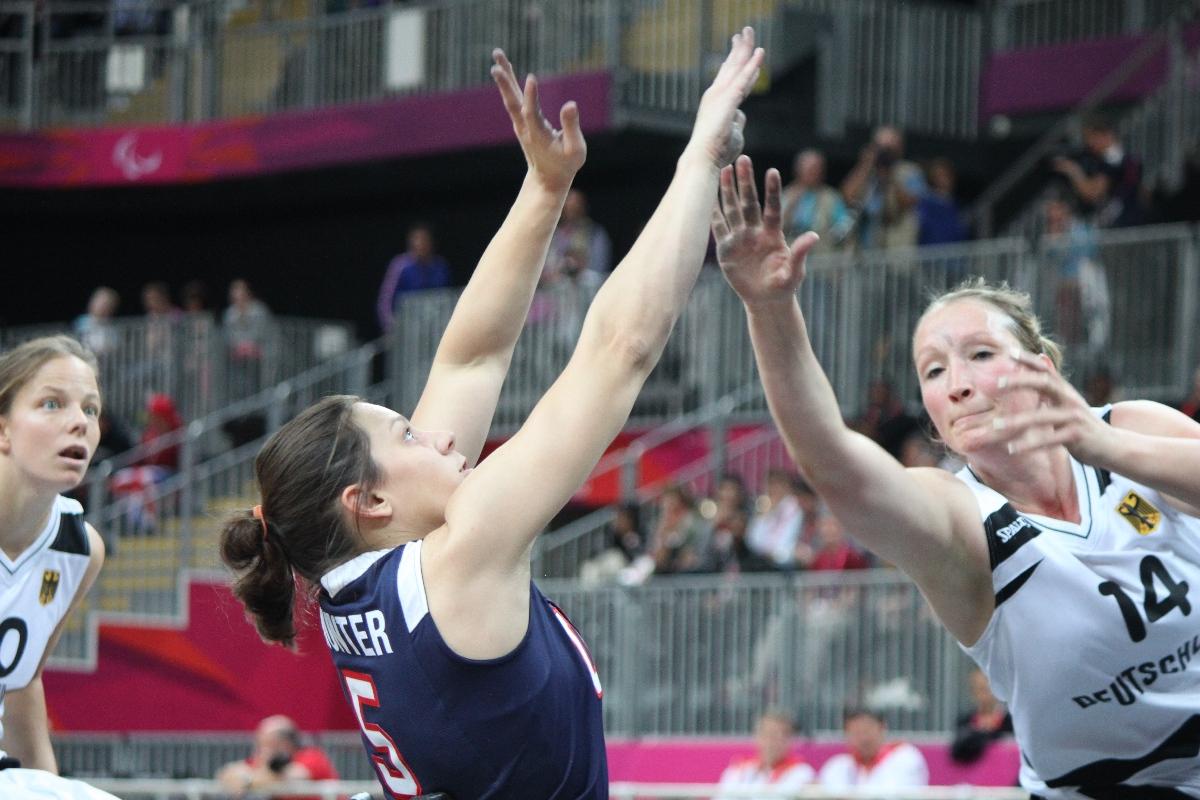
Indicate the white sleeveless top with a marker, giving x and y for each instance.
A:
(36, 591)
(1095, 640)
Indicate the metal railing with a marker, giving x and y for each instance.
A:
(704, 655)
(707, 654)
(83, 63)
(1032, 23)
(191, 754)
(192, 359)
(860, 311)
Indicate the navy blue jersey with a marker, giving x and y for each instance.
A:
(527, 725)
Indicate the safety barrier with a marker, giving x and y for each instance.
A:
(88, 62)
(192, 358)
(1031, 23)
(860, 311)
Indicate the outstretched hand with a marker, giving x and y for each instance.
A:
(553, 155)
(719, 123)
(751, 248)
(1062, 416)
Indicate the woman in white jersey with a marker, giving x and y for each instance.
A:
(49, 557)
(1065, 557)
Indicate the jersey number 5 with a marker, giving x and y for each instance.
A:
(1176, 597)
(396, 776)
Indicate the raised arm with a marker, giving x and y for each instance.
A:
(500, 508)
(920, 520)
(476, 349)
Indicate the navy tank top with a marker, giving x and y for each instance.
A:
(527, 725)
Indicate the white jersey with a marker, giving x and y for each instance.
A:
(36, 591)
(1095, 642)
(790, 773)
(898, 765)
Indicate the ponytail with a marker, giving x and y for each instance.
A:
(264, 581)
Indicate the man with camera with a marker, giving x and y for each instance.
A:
(884, 189)
(278, 758)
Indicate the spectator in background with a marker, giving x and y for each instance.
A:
(872, 761)
(883, 418)
(247, 322)
(775, 529)
(939, 217)
(195, 298)
(624, 542)
(134, 484)
(885, 190)
(810, 204)
(419, 267)
(678, 539)
(95, 329)
(773, 764)
(156, 302)
(1105, 178)
(580, 247)
(279, 757)
(578, 259)
(987, 721)
(1080, 287)
(729, 550)
(833, 551)
(1191, 403)
(162, 317)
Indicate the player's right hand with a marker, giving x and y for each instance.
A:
(717, 133)
(554, 156)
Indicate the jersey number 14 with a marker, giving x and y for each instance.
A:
(1152, 571)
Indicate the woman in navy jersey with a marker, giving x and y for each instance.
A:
(464, 678)
(1065, 557)
(49, 557)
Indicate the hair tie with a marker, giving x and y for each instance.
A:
(258, 515)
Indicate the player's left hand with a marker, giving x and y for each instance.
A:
(1062, 417)
(553, 155)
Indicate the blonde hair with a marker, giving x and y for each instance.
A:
(19, 365)
(1017, 306)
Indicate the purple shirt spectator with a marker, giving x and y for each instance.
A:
(417, 268)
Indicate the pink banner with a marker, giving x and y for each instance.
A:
(1017, 81)
(287, 141)
(212, 673)
(702, 760)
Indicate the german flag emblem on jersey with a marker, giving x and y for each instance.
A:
(49, 586)
(1138, 512)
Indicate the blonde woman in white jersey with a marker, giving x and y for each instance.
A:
(49, 557)
(1065, 557)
